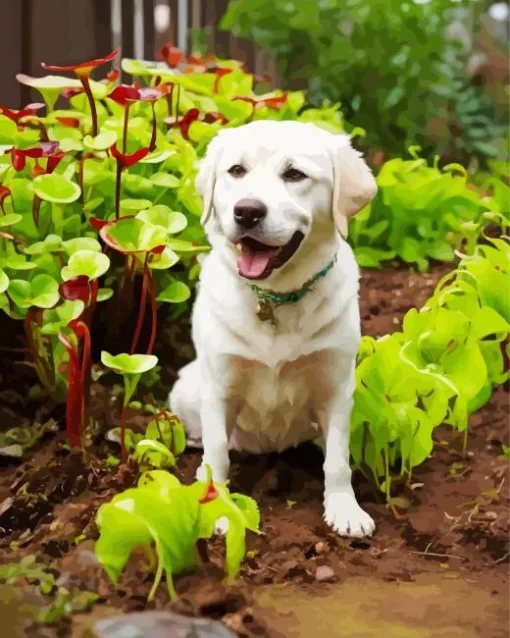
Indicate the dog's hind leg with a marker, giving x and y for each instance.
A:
(185, 402)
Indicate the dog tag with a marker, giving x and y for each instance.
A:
(265, 311)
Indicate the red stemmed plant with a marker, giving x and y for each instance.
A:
(125, 161)
(132, 237)
(126, 96)
(78, 380)
(83, 72)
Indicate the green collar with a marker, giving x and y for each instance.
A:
(280, 298)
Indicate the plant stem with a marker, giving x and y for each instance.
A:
(117, 190)
(58, 219)
(36, 209)
(74, 406)
(123, 453)
(125, 131)
(92, 103)
(154, 308)
(85, 370)
(141, 311)
(152, 145)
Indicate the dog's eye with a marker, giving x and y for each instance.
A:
(237, 170)
(293, 175)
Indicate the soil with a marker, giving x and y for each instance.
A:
(436, 567)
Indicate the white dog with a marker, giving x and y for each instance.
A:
(276, 321)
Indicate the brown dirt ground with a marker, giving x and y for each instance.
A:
(439, 569)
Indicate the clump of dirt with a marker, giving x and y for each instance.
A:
(450, 536)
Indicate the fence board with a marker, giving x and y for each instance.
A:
(11, 53)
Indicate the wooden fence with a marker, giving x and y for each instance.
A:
(67, 31)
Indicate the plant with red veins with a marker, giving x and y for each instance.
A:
(80, 287)
(275, 103)
(167, 89)
(113, 75)
(84, 71)
(4, 194)
(202, 60)
(210, 118)
(79, 380)
(131, 236)
(211, 493)
(19, 156)
(193, 115)
(125, 161)
(219, 73)
(171, 55)
(70, 122)
(16, 116)
(126, 96)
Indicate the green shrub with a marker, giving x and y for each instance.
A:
(442, 367)
(397, 68)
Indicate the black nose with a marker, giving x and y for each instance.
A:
(249, 212)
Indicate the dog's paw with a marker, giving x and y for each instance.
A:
(219, 474)
(346, 517)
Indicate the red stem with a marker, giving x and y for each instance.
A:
(152, 145)
(36, 209)
(177, 104)
(125, 132)
(154, 308)
(74, 406)
(85, 369)
(141, 312)
(93, 111)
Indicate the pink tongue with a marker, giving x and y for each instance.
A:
(253, 263)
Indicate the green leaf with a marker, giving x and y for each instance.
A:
(4, 281)
(163, 216)
(82, 243)
(165, 180)
(129, 363)
(101, 142)
(61, 316)
(56, 189)
(130, 206)
(131, 235)
(41, 292)
(155, 453)
(175, 292)
(10, 219)
(86, 262)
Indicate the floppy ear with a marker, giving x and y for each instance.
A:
(354, 185)
(206, 177)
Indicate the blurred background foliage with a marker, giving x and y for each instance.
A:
(426, 72)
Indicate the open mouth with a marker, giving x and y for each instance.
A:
(258, 260)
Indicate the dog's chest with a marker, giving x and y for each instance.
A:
(275, 404)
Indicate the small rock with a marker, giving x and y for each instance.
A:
(320, 548)
(159, 624)
(324, 573)
(490, 516)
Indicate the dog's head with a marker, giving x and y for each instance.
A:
(269, 183)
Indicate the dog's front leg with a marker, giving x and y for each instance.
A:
(213, 416)
(342, 511)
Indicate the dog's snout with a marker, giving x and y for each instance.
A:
(249, 212)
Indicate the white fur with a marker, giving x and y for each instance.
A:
(256, 387)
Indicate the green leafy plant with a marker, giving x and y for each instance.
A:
(101, 193)
(420, 80)
(167, 518)
(131, 367)
(163, 441)
(441, 368)
(424, 213)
